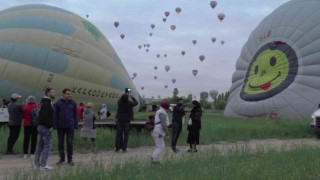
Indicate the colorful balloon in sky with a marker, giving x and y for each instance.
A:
(178, 10)
(167, 13)
(221, 16)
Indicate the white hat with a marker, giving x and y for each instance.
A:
(15, 96)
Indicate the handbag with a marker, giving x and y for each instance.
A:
(190, 122)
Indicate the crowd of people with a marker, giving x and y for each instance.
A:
(40, 119)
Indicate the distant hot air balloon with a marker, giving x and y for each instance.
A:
(213, 94)
(122, 36)
(174, 80)
(194, 42)
(167, 68)
(155, 77)
(155, 67)
(213, 39)
(159, 96)
(183, 53)
(135, 74)
(144, 45)
(173, 27)
(167, 13)
(142, 88)
(166, 86)
(164, 19)
(194, 97)
(158, 55)
(152, 97)
(116, 24)
(132, 78)
(202, 57)
(150, 34)
(139, 46)
(152, 26)
(194, 72)
(178, 10)
(213, 4)
(87, 15)
(165, 55)
(148, 45)
(147, 50)
(222, 42)
(221, 16)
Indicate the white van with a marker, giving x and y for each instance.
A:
(315, 122)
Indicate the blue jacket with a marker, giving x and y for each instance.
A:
(65, 114)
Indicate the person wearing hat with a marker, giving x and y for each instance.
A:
(88, 129)
(30, 131)
(160, 129)
(194, 126)
(15, 120)
(177, 115)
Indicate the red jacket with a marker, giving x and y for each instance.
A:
(27, 113)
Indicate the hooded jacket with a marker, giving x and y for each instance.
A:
(15, 113)
(46, 112)
(65, 114)
(27, 113)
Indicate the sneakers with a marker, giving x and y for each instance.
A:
(45, 168)
(25, 156)
(31, 156)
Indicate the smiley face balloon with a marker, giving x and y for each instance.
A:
(277, 74)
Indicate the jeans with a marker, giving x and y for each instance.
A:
(43, 146)
(30, 132)
(158, 139)
(176, 130)
(122, 136)
(69, 133)
(13, 136)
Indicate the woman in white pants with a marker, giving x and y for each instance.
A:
(160, 129)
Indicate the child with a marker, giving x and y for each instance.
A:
(88, 129)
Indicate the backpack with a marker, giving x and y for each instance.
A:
(35, 115)
(149, 126)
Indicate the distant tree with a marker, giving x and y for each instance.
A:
(221, 100)
(175, 93)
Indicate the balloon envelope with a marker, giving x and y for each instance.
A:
(167, 13)
(213, 4)
(116, 24)
(152, 26)
(183, 53)
(135, 74)
(194, 72)
(158, 55)
(173, 80)
(221, 16)
(164, 19)
(122, 36)
(178, 10)
(156, 67)
(213, 94)
(166, 86)
(155, 77)
(173, 27)
(194, 42)
(213, 39)
(167, 68)
(202, 57)
(139, 46)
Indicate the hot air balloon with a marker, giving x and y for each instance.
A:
(194, 42)
(173, 27)
(142, 88)
(159, 96)
(165, 55)
(183, 53)
(135, 75)
(277, 73)
(178, 10)
(87, 15)
(152, 97)
(150, 34)
(49, 46)
(167, 68)
(148, 45)
(221, 16)
(155, 67)
(173, 80)
(213, 94)
(132, 78)
(204, 95)
(194, 97)
(144, 45)
(166, 86)
(222, 42)
(194, 72)
(213, 39)
(167, 13)
(139, 46)
(155, 77)
(213, 4)
(158, 55)
(147, 50)
(152, 26)
(122, 36)
(164, 19)
(202, 57)
(116, 24)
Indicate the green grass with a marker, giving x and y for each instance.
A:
(300, 163)
(214, 128)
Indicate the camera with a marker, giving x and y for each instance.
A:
(127, 90)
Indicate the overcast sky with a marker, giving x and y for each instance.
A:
(197, 20)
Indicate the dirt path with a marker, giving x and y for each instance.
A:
(12, 163)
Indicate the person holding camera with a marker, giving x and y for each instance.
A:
(124, 116)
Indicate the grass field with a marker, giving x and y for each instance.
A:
(215, 127)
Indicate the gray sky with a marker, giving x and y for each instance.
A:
(197, 20)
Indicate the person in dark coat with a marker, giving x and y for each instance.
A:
(194, 126)
(65, 121)
(15, 120)
(124, 116)
(177, 115)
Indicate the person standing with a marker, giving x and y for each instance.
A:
(177, 115)
(65, 121)
(30, 131)
(103, 112)
(124, 116)
(80, 108)
(160, 129)
(15, 120)
(88, 129)
(194, 126)
(45, 123)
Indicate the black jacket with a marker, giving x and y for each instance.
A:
(125, 110)
(15, 113)
(196, 114)
(178, 113)
(46, 113)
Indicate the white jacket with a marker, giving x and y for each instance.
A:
(158, 126)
